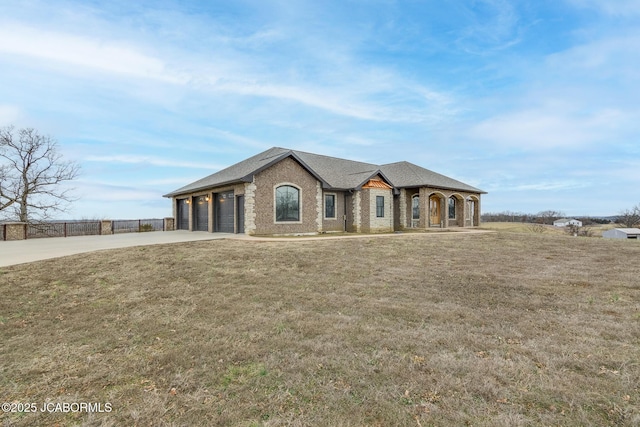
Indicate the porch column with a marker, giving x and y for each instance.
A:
(403, 208)
(424, 221)
(189, 203)
(445, 217)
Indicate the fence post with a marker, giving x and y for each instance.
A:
(15, 231)
(106, 227)
(65, 229)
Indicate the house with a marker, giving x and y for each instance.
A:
(564, 222)
(282, 191)
(622, 233)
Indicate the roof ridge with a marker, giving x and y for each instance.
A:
(333, 157)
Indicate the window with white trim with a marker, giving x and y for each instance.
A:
(380, 206)
(330, 206)
(287, 203)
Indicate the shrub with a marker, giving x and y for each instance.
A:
(146, 227)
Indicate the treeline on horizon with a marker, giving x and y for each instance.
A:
(545, 217)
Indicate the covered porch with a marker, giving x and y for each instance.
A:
(435, 208)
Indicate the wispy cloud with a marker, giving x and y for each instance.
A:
(543, 130)
(153, 161)
(548, 186)
(353, 89)
(618, 8)
(102, 55)
(9, 114)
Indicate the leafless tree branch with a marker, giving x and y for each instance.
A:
(630, 218)
(31, 172)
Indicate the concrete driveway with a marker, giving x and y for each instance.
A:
(21, 251)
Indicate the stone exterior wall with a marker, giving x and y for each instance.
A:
(357, 211)
(370, 222)
(15, 231)
(319, 207)
(337, 223)
(365, 211)
(400, 214)
(250, 208)
(106, 227)
(287, 171)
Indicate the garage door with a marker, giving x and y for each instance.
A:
(183, 214)
(201, 214)
(224, 212)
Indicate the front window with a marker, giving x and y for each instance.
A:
(380, 206)
(330, 206)
(452, 208)
(287, 203)
(415, 207)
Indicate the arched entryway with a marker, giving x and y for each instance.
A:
(435, 210)
(472, 215)
(455, 207)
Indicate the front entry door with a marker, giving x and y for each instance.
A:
(434, 210)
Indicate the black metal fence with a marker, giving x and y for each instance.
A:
(137, 225)
(64, 229)
(86, 228)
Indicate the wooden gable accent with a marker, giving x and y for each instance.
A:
(377, 183)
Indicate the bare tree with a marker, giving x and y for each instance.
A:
(549, 216)
(31, 171)
(630, 218)
(578, 231)
(536, 227)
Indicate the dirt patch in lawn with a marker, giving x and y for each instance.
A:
(479, 329)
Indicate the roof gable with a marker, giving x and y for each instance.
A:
(377, 183)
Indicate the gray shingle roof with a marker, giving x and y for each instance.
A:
(332, 172)
(405, 174)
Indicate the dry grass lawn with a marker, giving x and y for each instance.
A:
(500, 329)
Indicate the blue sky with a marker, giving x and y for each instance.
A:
(533, 101)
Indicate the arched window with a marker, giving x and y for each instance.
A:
(415, 207)
(452, 208)
(287, 203)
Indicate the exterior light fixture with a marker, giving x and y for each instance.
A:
(188, 201)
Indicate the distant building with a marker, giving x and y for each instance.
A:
(563, 222)
(622, 233)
